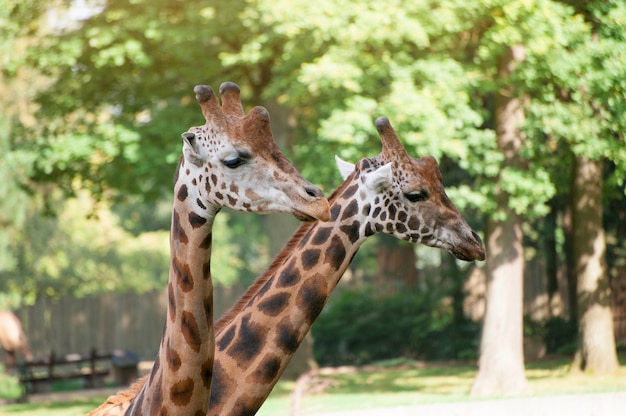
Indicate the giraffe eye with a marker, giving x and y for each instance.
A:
(417, 196)
(234, 162)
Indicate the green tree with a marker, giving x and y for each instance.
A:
(601, 98)
(78, 254)
(578, 96)
(115, 93)
(357, 65)
(16, 29)
(501, 362)
(110, 96)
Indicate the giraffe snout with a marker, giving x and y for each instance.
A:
(478, 249)
(313, 205)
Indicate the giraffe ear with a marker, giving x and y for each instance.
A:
(380, 179)
(345, 168)
(190, 148)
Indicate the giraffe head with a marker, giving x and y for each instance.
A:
(233, 161)
(404, 197)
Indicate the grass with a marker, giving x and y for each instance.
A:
(415, 385)
(381, 386)
(73, 408)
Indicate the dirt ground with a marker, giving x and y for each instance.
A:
(597, 404)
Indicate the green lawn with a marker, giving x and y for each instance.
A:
(405, 384)
(434, 383)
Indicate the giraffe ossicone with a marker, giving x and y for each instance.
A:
(390, 193)
(230, 161)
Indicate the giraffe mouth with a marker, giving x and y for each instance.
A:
(301, 216)
(473, 253)
(317, 210)
(461, 255)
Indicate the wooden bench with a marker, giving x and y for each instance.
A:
(37, 375)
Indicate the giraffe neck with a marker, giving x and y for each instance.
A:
(181, 376)
(256, 339)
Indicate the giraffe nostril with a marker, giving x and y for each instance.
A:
(313, 191)
(477, 237)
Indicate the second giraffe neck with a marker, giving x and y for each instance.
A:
(181, 376)
(256, 340)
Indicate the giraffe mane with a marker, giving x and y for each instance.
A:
(121, 398)
(276, 263)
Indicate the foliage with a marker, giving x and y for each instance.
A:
(559, 335)
(239, 257)
(100, 104)
(14, 169)
(121, 93)
(82, 250)
(10, 387)
(377, 64)
(361, 326)
(578, 90)
(85, 249)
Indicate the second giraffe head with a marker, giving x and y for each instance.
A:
(404, 197)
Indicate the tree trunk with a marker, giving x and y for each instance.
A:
(501, 361)
(596, 351)
(551, 256)
(570, 273)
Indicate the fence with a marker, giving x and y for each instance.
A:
(135, 322)
(106, 322)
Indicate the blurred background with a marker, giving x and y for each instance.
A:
(521, 102)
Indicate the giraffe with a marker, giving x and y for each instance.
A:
(391, 193)
(230, 161)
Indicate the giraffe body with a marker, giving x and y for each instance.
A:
(391, 193)
(231, 161)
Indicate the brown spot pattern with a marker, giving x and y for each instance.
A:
(251, 195)
(287, 339)
(177, 231)
(173, 358)
(220, 387)
(321, 235)
(311, 298)
(171, 301)
(184, 278)
(207, 373)
(274, 304)
(206, 243)
(189, 329)
(206, 270)
(310, 258)
(249, 341)
(196, 220)
(289, 277)
(181, 392)
(225, 339)
(267, 371)
(335, 253)
(182, 193)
